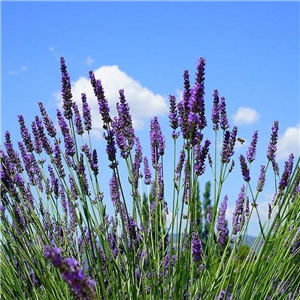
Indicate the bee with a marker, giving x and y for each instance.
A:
(242, 141)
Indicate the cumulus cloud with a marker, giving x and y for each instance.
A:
(17, 72)
(289, 143)
(245, 115)
(89, 61)
(143, 102)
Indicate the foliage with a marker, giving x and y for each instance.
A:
(59, 243)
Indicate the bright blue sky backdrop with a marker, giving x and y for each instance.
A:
(251, 49)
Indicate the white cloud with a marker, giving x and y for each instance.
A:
(143, 103)
(178, 95)
(89, 61)
(289, 143)
(245, 115)
(17, 72)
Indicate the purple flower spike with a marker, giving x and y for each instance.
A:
(224, 121)
(77, 121)
(173, 116)
(69, 141)
(237, 221)
(183, 106)
(58, 161)
(179, 167)
(81, 286)
(288, 168)
(102, 101)
(273, 142)
(245, 169)
(86, 113)
(147, 172)
(198, 92)
(215, 116)
(123, 127)
(42, 136)
(201, 154)
(47, 121)
(252, 148)
(157, 141)
(261, 179)
(196, 247)
(111, 148)
(115, 193)
(221, 223)
(25, 134)
(138, 158)
(66, 90)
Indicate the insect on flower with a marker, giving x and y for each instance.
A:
(242, 141)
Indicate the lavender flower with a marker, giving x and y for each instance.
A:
(147, 172)
(252, 148)
(12, 154)
(25, 134)
(66, 90)
(111, 148)
(102, 101)
(215, 116)
(221, 223)
(73, 220)
(261, 179)
(48, 123)
(179, 167)
(81, 286)
(115, 193)
(138, 158)
(187, 187)
(81, 173)
(73, 188)
(183, 106)
(245, 169)
(44, 140)
(224, 121)
(288, 168)
(63, 199)
(160, 195)
(57, 160)
(37, 141)
(157, 141)
(238, 218)
(196, 247)
(94, 162)
(167, 263)
(86, 113)
(173, 116)
(273, 142)
(68, 140)
(77, 121)
(225, 155)
(54, 181)
(92, 158)
(229, 141)
(198, 93)
(201, 154)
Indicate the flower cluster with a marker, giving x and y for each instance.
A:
(81, 286)
(51, 194)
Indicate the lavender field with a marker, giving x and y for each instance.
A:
(59, 241)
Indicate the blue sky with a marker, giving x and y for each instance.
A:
(251, 51)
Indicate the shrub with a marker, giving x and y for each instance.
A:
(58, 242)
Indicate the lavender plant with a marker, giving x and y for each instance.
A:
(58, 242)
